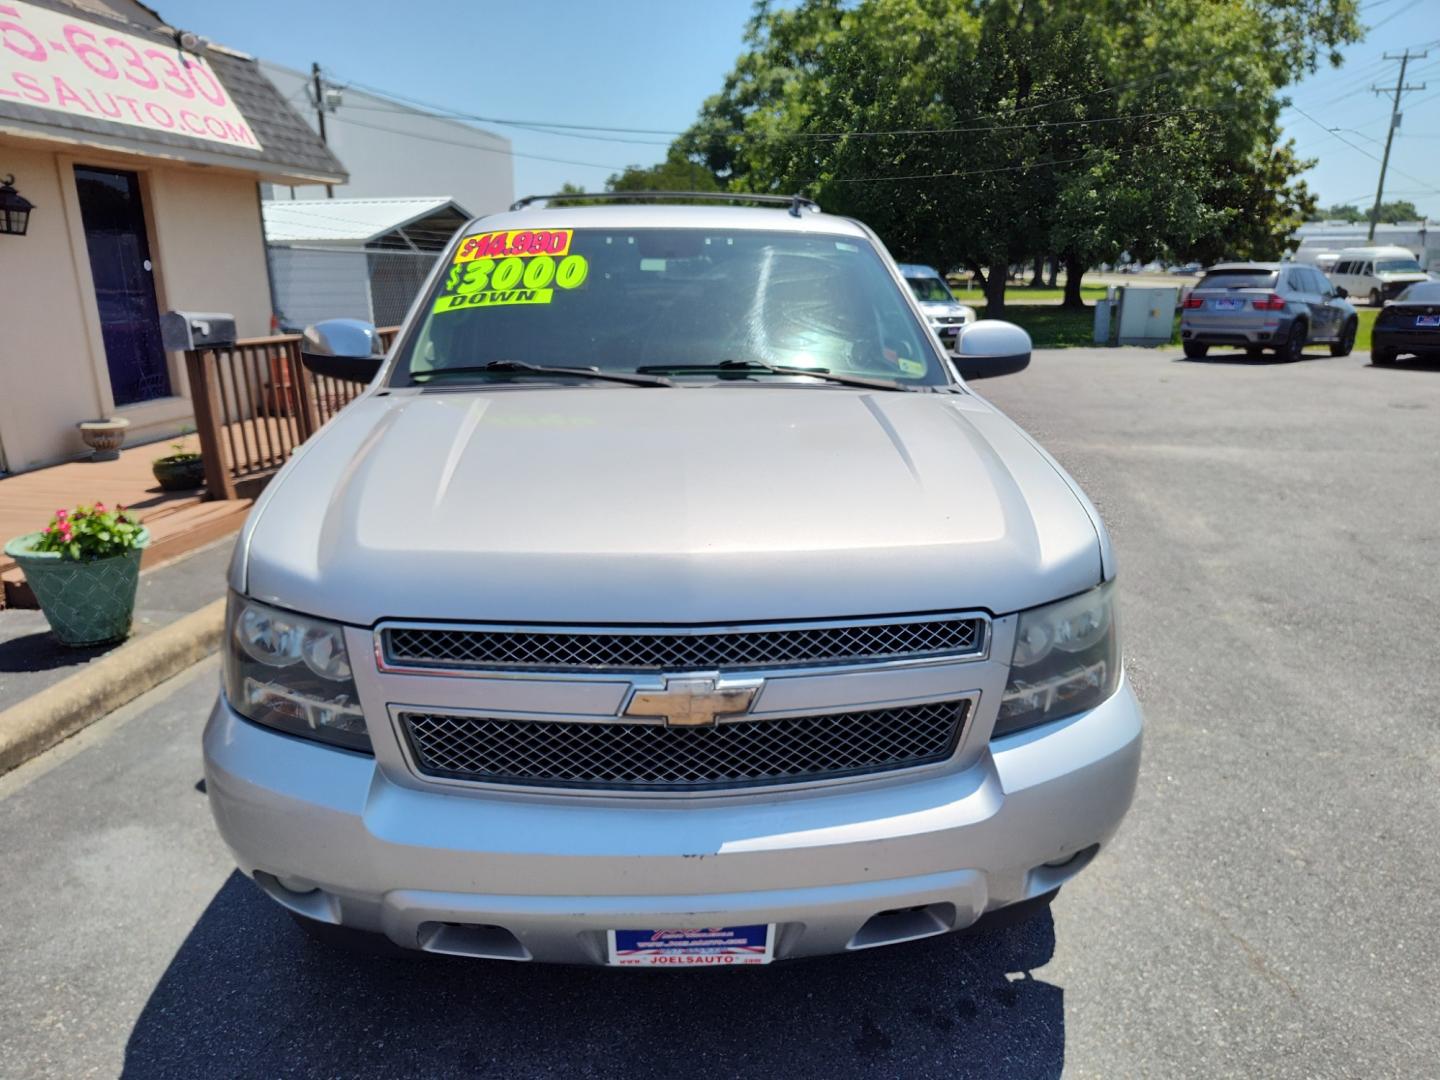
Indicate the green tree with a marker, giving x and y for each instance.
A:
(675, 173)
(1392, 213)
(1340, 212)
(980, 133)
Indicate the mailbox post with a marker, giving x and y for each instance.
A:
(192, 332)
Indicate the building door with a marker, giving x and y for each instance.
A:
(114, 220)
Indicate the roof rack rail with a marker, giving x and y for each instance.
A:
(796, 202)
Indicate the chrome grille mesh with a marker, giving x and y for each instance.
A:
(652, 757)
(617, 650)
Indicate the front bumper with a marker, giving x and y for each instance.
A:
(329, 835)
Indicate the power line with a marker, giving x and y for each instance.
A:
(562, 126)
(946, 175)
(1361, 150)
(473, 146)
(1391, 18)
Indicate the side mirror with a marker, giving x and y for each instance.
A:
(991, 347)
(347, 349)
(1342, 292)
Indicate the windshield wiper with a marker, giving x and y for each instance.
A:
(729, 366)
(503, 367)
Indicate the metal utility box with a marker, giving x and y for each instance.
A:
(1104, 316)
(183, 330)
(1147, 315)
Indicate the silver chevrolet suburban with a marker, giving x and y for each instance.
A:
(668, 599)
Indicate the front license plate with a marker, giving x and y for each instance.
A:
(1226, 305)
(1427, 320)
(723, 946)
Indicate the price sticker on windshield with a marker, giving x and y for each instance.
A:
(516, 266)
(516, 242)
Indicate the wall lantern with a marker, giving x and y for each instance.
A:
(14, 209)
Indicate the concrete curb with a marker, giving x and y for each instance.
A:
(57, 712)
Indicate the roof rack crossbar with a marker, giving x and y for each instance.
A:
(796, 202)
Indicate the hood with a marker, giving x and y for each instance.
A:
(714, 504)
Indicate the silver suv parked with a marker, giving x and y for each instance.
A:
(1259, 306)
(668, 600)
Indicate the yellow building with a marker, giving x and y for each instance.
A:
(141, 149)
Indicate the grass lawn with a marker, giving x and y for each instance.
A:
(1051, 327)
(1367, 323)
(1060, 328)
(1022, 294)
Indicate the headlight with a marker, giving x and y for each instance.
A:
(292, 673)
(1067, 660)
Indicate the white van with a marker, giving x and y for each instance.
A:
(1376, 273)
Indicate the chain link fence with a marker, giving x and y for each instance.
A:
(315, 283)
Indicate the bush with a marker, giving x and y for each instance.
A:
(90, 532)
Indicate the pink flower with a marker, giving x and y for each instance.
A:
(62, 514)
(99, 508)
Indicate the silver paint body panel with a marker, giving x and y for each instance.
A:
(701, 505)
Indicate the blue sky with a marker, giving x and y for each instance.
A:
(650, 63)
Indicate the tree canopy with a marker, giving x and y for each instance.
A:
(1391, 213)
(986, 132)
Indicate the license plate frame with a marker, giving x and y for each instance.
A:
(1427, 320)
(1227, 303)
(703, 947)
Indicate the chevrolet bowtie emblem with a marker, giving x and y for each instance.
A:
(694, 702)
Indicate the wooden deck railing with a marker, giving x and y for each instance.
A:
(254, 403)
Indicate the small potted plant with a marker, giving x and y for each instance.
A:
(84, 570)
(180, 470)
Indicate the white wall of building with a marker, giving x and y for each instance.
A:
(1419, 237)
(391, 150)
(311, 285)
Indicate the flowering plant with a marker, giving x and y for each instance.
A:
(90, 532)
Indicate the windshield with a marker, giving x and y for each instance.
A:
(626, 299)
(1422, 292)
(930, 290)
(1397, 266)
(1244, 278)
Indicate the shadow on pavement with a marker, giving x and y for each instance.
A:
(1242, 359)
(42, 651)
(249, 994)
(1409, 363)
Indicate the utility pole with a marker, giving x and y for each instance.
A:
(1398, 89)
(320, 115)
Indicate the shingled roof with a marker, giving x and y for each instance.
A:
(291, 152)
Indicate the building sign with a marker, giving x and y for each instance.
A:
(53, 61)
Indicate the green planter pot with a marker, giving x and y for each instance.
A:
(86, 603)
(179, 475)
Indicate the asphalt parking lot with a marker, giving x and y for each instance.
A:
(1268, 908)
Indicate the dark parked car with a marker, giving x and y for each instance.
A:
(1408, 324)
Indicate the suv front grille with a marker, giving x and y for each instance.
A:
(669, 651)
(617, 755)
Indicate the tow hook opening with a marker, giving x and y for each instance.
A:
(904, 924)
